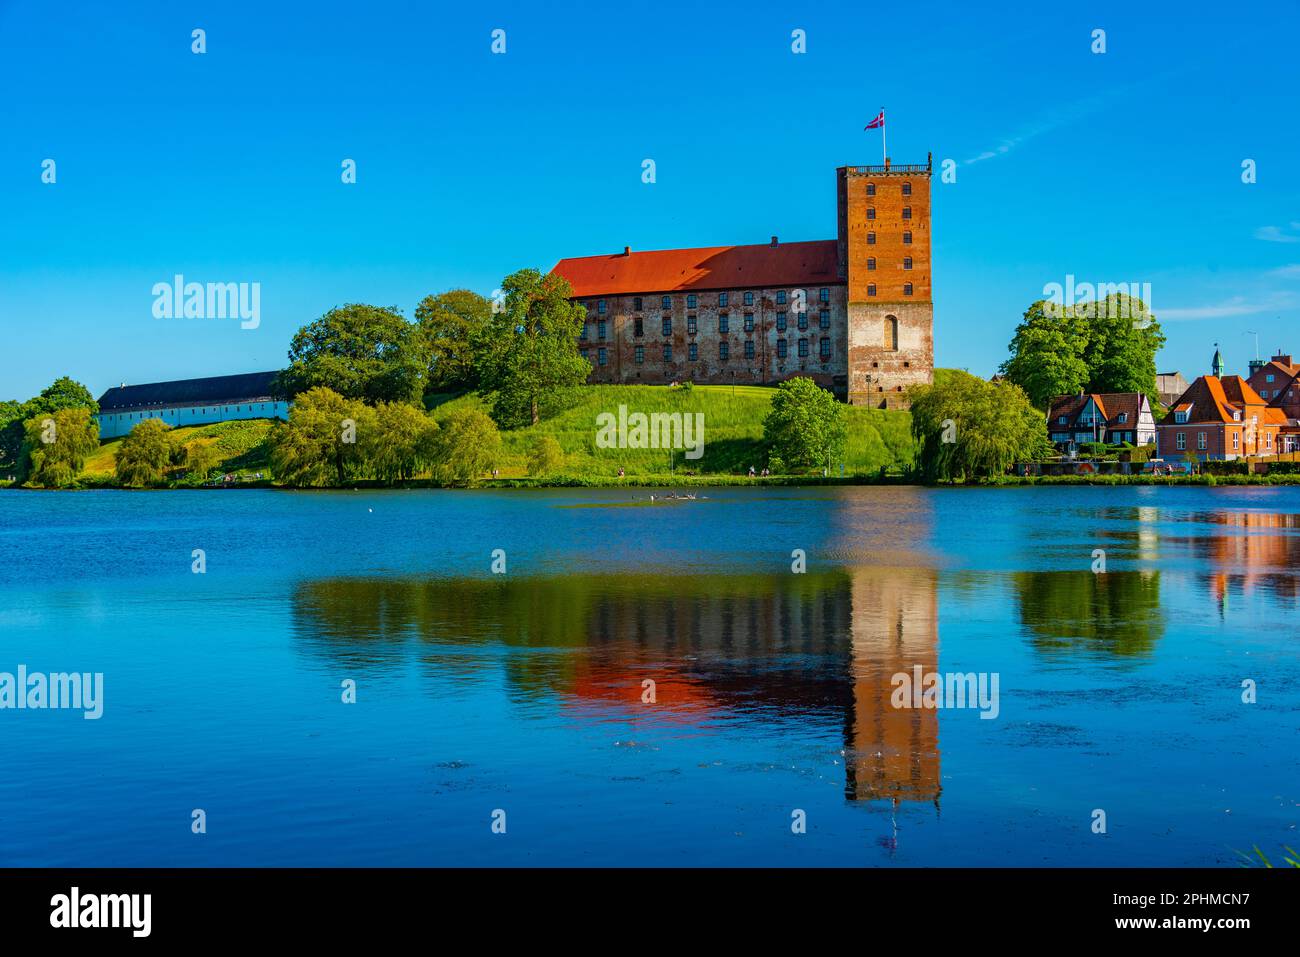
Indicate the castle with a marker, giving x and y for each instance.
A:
(854, 314)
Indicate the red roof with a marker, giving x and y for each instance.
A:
(1214, 400)
(710, 267)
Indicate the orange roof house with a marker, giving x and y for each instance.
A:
(1220, 418)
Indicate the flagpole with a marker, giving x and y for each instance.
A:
(884, 153)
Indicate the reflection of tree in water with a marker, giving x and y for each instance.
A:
(1116, 613)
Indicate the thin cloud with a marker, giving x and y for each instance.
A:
(1279, 234)
(1286, 272)
(1236, 306)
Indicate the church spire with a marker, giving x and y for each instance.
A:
(1216, 364)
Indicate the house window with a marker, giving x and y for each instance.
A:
(668, 325)
(907, 262)
(600, 306)
(907, 289)
(636, 303)
(803, 320)
(722, 299)
(1123, 417)
(638, 326)
(781, 349)
(1263, 393)
(749, 298)
(907, 212)
(803, 348)
(724, 350)
(600, 356)
(871, 289)
(1236, 440)
(1268, 440)
(693, 351)
(600, 329)
(1181, 440)
(871, 262)
(871, 189)
(907, 238)
(691, 325)
(640, 354)
(724, 322)
(824, 295)
(780, 297)
(871, 239)
(871, 212)
(666, 302)
(1181, 416)
(692, 301)
(780, 322)
(1268, 377)
(824, 319)
(1200, 440)
(749, 348)
(749, 322)
(668, 352)
(826, 348)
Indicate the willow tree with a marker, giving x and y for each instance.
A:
(56, 444)
(144, 454)
(322, 441)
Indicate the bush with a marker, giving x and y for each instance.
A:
(806, 427)
(545, 456)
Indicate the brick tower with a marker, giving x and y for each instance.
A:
(884, 258)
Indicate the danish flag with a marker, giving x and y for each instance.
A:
(877, 123)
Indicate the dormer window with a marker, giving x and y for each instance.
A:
(1236, 416)
(1181, 415)
(1061, 420)
(1123, 417)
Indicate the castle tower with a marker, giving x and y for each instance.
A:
(884, 258)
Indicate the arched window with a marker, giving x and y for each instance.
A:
(891, 333)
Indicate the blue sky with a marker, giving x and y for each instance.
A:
(1122, 166)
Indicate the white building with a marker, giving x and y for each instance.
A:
(250, 395)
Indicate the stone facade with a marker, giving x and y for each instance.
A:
(855, 313)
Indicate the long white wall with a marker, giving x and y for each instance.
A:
(115, 424)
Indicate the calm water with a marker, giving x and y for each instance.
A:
(523, 691)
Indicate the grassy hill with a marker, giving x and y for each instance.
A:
(241, 445)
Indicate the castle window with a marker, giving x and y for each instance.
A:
(722, 299)
(724, 322)
(871, 289)
(824, 319)
(780, 322)
(666, 302)
(749, 348)
(692, 301)
(693, 351)
(724, 350)
(600, 356)
(871, 212)
(668, 352)
(691, 324)
(907, 262)
(871, 239)
(749, 322)
(803, 320)
(907, 289)
(600, 329)
(640, 354)
(638, 327)
(582, 336)
(781, 349)
(600, 306)
(668, 325)
(803, 348)
(907, 189)
(907, 212)
(824, 295)
(891, 333)
(826, 348)
(636, 303)
(749, 298)
(907, 237)
(871, 189)
(871, 262)
(780, 297)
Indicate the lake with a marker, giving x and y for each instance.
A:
(654, 683)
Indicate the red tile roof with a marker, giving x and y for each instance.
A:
(1214, 400)
(709, 267)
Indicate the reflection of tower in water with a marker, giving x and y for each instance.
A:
(892, 753)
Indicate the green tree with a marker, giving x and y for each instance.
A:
(1047, 356)
(63, 393)
(56, 444)
(144, 454)
(967, 427)
(321, 442)
(806, 426)
(1123, 339)
(530, 365)
(401, 443)
(545, 455)
(360, 352)
(453, 326)
(466, 445)
(199, 460)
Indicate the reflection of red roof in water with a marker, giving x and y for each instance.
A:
(678, 697)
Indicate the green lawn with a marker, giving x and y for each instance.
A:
(241, 443)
